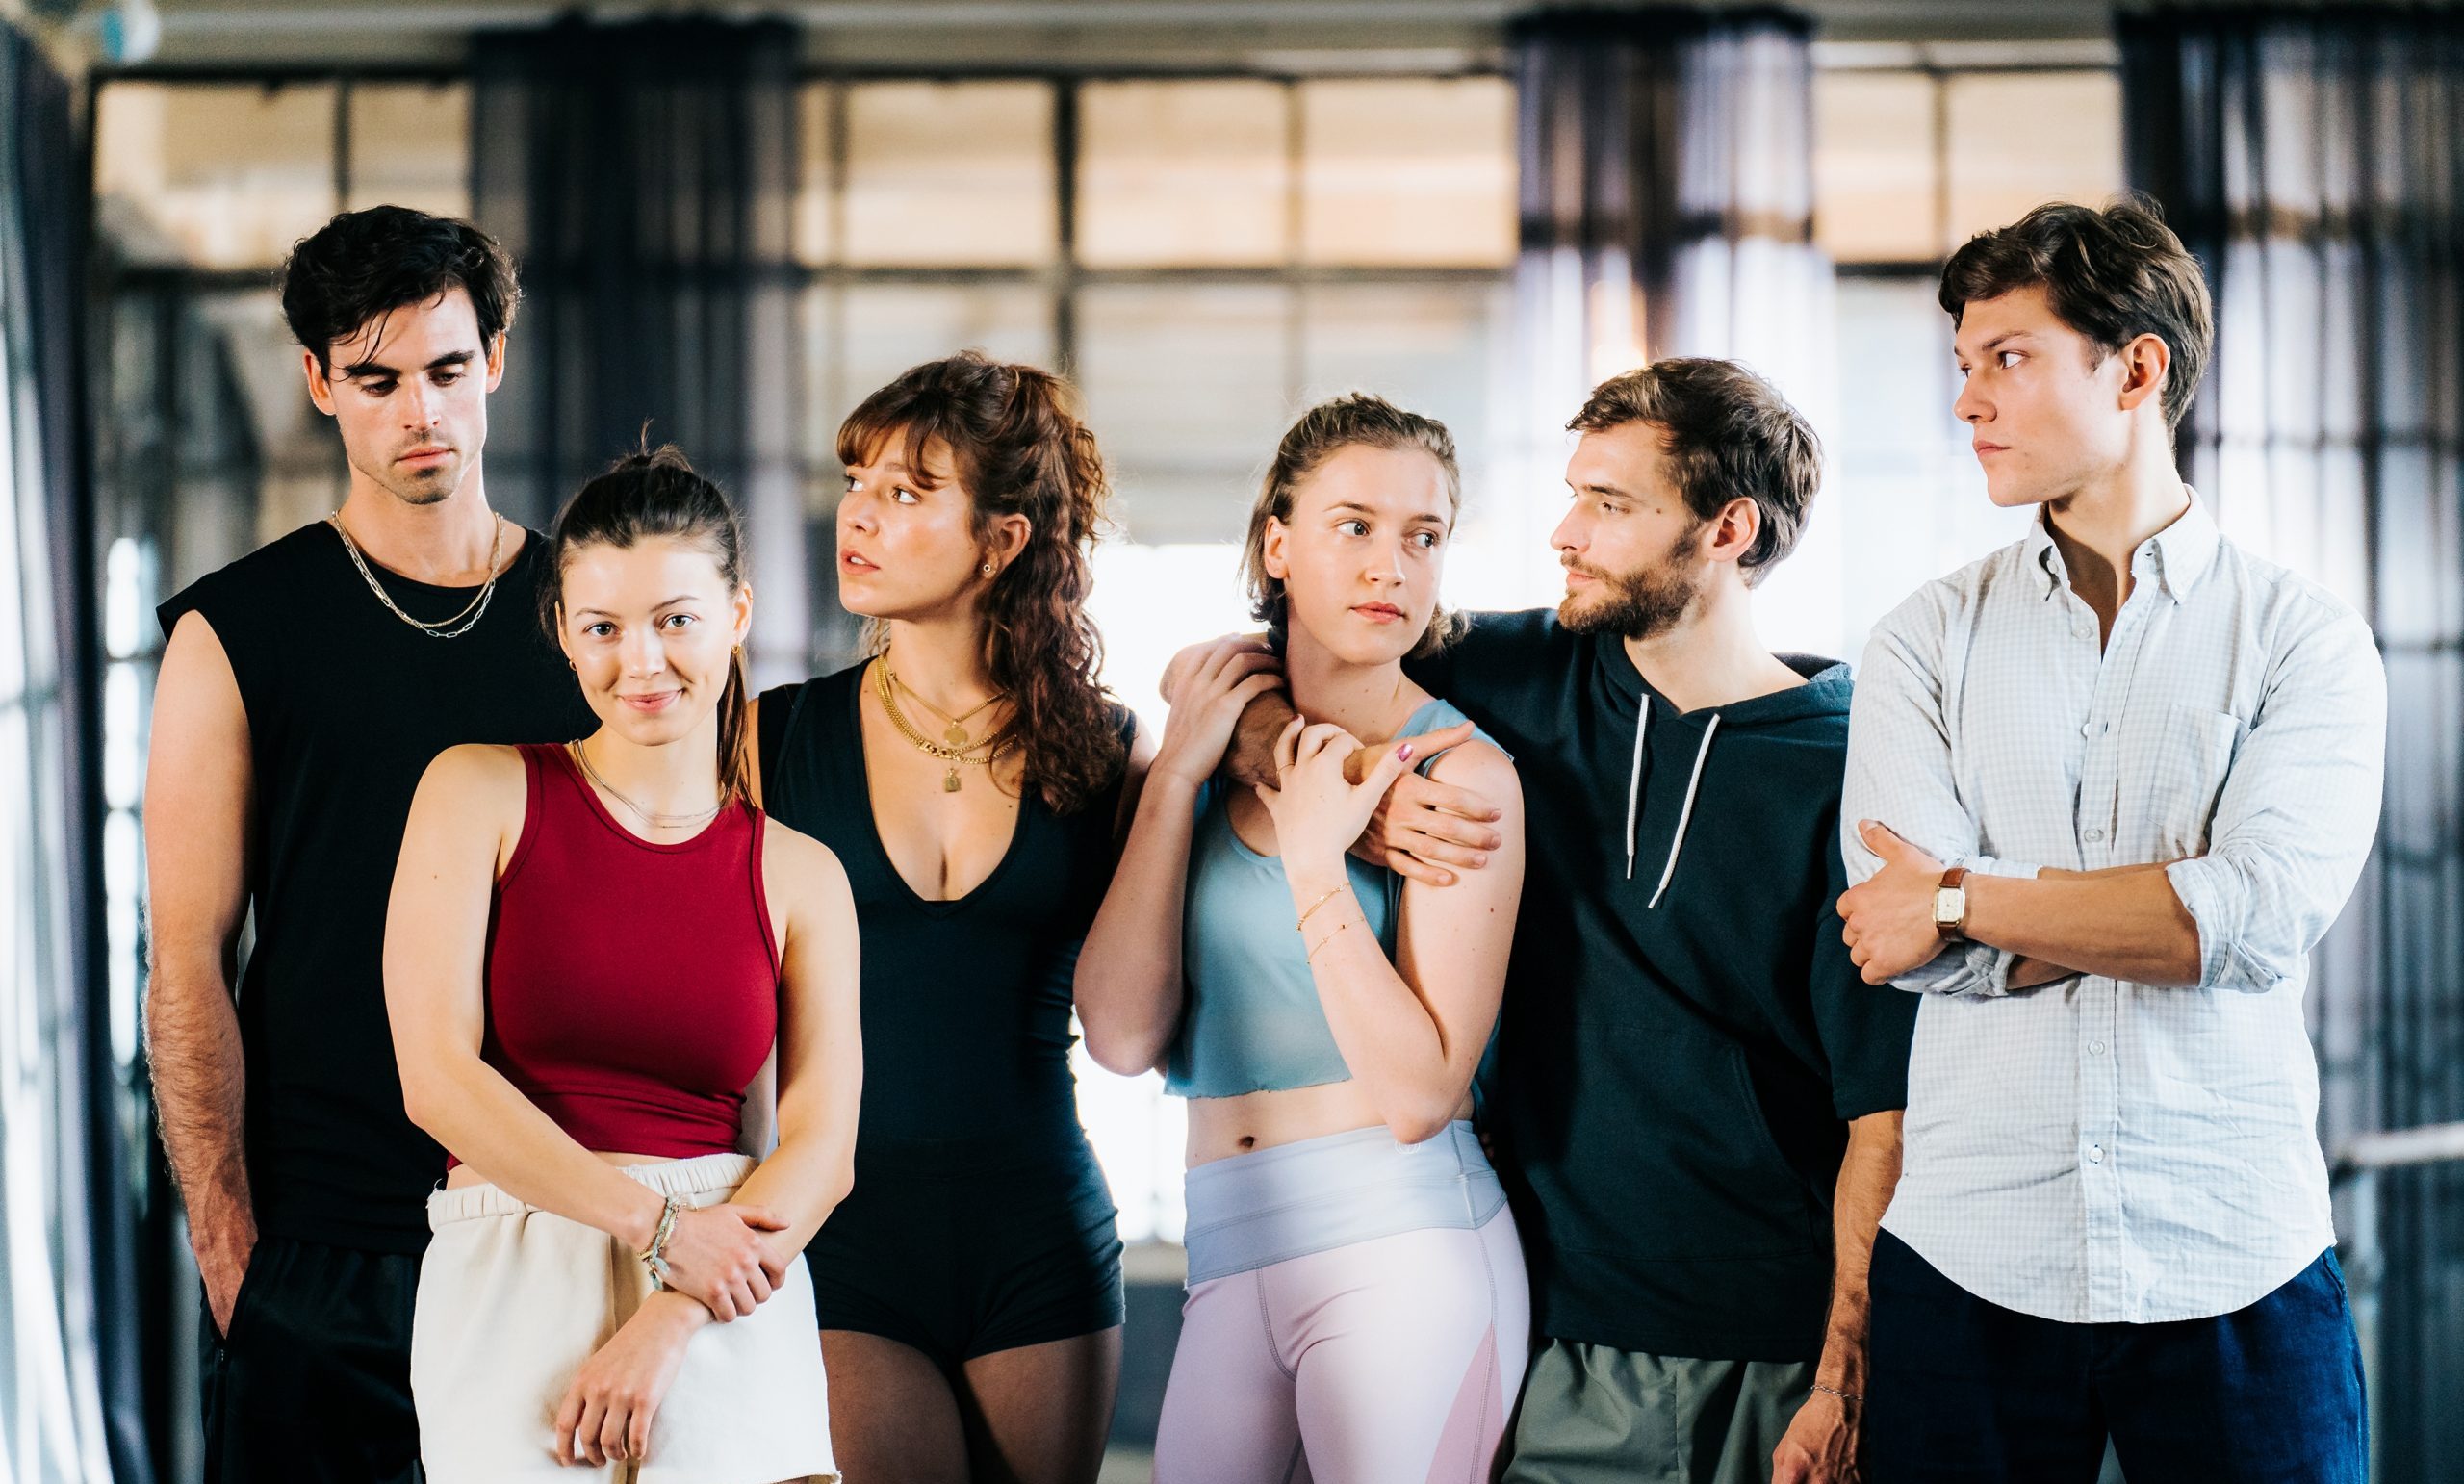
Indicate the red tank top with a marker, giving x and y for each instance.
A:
(632, 988)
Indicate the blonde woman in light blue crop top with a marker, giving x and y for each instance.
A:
(1336, 1189)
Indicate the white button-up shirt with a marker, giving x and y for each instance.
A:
(2095, 1150)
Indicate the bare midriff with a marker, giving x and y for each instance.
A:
(1222, 1127)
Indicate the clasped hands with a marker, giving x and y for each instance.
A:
(1410, 823)
(721, 1266)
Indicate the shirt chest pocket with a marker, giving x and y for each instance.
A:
(2175, 775)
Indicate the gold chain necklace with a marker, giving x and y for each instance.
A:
(656, 821)
(884, 679)
(956, 733)
(442, 629)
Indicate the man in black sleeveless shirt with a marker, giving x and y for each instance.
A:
(303, 691)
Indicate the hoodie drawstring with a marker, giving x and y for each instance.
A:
(1634, 782)
(1634, 795)
(1702, 756)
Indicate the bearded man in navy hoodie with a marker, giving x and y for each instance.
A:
(1694, 1097)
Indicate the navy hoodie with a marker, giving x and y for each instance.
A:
(1684, 1036)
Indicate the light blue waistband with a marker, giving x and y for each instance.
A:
(1253, 1209)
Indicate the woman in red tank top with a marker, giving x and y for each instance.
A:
(592, 952)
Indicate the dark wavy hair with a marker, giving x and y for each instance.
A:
(364, 264)
(1019, 448)
(656, 492)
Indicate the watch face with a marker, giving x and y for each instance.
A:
(1950, 905)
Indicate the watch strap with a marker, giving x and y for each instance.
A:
(1953, 930)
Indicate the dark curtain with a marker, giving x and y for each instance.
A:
(2314, 160)
(1666, 169)
(1666, 181)
(644, 176)
(69, 1396)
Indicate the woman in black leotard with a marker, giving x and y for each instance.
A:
(971, 776)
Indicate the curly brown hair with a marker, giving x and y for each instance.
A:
(1019, 448)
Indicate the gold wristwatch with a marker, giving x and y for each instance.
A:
(1950, 906)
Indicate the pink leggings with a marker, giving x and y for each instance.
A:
(1392, 1360)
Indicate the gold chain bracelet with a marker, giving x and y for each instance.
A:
(1314, 906)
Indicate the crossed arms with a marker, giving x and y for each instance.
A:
(2291, 830)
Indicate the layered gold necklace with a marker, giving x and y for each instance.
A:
(957, 746)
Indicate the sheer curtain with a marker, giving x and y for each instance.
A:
(2314, 159)
(65, 1317)
(1667, 210)
(644, 176)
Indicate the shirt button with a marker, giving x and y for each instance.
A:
(2096, 1048)
(2092, 837)
(2095, 1154)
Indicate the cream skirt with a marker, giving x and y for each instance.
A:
(512, 1302)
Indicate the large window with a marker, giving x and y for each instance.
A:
(1910, 160)
(1204, 255)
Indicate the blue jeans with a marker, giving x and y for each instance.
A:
(1967, 1390)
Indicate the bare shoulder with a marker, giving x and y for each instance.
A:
(195, 684)
(1482, 767)
(477, 766)
(477, 781)
(191, 639)
(798, 869)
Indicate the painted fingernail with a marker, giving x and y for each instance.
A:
(1404, 753)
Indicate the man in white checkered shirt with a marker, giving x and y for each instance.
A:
(2106, 789)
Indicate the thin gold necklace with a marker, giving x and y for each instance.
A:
(442, 629)
(956, 734)
(656, 821)
(886, 682)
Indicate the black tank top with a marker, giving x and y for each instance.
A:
(966, 1002)
(346, 707)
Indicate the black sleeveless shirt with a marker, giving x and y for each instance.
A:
(346, 707)
(966, 1002)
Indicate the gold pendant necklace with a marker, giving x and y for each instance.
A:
(955, 734)
(958, 750)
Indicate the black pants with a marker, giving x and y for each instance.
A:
(313, 1381)
(1964, 1391)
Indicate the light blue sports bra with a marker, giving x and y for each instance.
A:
(1251, 1022)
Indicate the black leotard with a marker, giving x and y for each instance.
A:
(980, 1220)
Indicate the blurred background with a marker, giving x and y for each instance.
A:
(735, 220)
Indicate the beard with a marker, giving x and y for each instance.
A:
(1642, 603)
